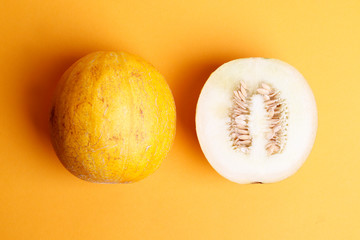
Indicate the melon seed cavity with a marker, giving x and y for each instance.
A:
(277, 116)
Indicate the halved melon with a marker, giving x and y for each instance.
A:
(256, 120)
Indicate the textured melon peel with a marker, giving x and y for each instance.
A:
(212, 120)
(113, 118)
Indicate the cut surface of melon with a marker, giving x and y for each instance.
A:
(255, 157)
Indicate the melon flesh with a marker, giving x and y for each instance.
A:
(212, 120)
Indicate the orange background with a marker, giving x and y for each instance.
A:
(186, 41)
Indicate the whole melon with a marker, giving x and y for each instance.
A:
(113, 118)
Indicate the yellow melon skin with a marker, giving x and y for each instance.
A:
(113, 118)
